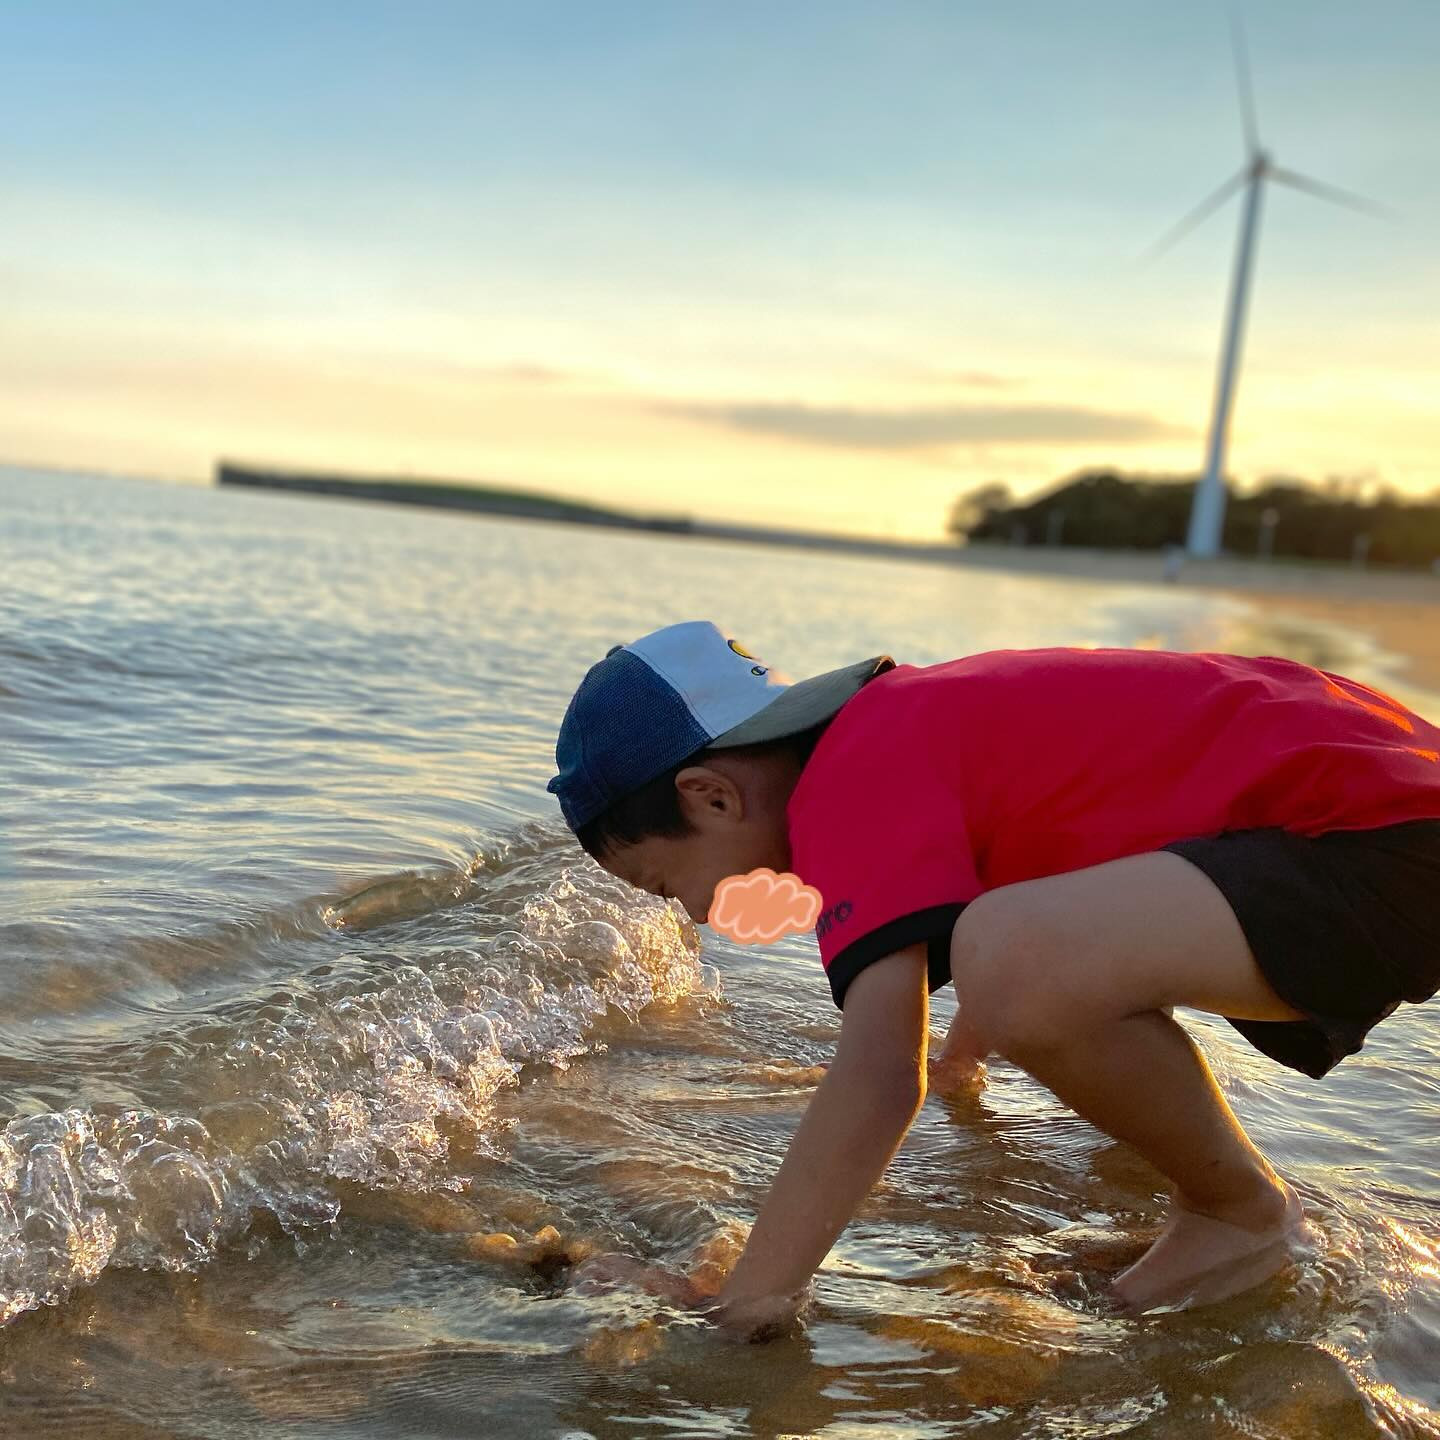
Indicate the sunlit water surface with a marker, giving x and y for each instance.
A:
(305, 992)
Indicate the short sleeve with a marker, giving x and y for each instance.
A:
(875, 828)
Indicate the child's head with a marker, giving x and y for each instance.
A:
(719, 812)
(678, 754)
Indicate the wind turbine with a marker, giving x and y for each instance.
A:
(1207, 513)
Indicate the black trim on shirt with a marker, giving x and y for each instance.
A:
(933, 925)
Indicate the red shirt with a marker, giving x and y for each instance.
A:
(935, 783)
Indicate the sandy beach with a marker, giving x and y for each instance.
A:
(1409, 629)
(1399, 611)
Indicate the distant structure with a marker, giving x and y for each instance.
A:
(1207, 516)
(448, 495)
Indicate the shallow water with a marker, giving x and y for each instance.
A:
(305, 992)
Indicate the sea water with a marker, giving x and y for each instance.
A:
(310, 1005)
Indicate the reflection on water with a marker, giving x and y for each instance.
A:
(327, 1054)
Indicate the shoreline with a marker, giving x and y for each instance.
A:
(1410, 633)
(1397, 611)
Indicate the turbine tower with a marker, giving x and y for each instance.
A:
(1207, 513)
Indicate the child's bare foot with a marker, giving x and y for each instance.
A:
(1199, 1259)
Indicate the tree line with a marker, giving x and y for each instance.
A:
(1343, 518)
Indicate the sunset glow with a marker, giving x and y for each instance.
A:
(822, 267)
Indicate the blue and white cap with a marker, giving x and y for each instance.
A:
(649, 704)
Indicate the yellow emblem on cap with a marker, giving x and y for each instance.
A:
(739, 649)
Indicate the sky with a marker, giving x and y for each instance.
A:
(824, 263)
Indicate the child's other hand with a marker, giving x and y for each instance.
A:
(956, 1075)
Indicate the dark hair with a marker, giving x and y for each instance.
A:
(654, 809)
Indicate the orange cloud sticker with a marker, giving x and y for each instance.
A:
(758, 908)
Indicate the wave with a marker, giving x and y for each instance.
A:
(383, 1072)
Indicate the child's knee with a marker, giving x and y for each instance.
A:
(1006, 975)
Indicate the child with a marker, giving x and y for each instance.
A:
(1080, 840)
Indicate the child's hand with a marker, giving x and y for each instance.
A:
(604, 1272)
(746, 1319)
(761, 1317)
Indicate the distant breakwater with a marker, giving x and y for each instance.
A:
(448, 495)
(455, 495)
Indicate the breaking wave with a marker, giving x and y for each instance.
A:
(380, 1073)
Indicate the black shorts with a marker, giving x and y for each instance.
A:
(1344, 925)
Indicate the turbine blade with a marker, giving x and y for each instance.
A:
(1332, 193)
(1248, 122)
(1202, 211)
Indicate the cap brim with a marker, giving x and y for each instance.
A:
(803, 704)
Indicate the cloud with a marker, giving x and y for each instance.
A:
(975, 379)
(760, 907)
(516, 374)
(854, 428)
(527, 374)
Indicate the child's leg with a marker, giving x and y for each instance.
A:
(1070, 977)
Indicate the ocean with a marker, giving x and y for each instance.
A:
(307, 995)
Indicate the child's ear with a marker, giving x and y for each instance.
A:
(702, 788)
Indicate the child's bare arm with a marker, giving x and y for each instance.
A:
(855, 1122)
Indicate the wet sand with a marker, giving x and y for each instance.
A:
(1409, 630)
